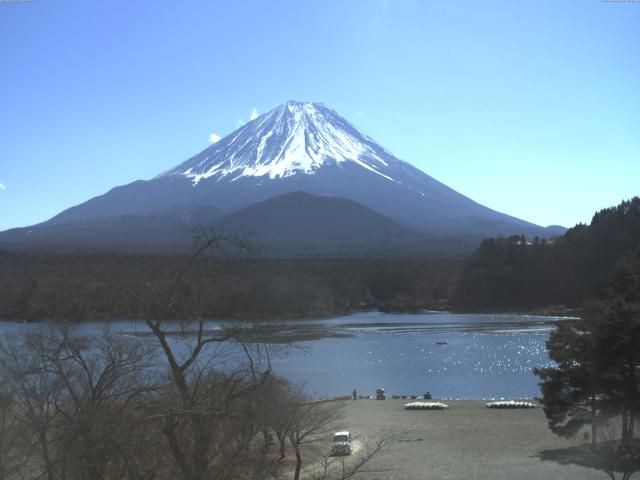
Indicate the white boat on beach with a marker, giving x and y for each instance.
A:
(426, 406)
(511, 404)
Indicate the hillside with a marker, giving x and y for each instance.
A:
(513, 274)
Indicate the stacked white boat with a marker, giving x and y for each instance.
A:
(511, 404)
(426, 406)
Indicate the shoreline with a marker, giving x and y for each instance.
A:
(407, 399)
(289, 331)
(567, 313)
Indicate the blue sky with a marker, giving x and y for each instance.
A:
(529, 107)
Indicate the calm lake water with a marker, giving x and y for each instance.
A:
(465, 356)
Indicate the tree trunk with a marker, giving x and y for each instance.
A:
(283, 447)
(199, 460)
(169, 431)
(296, 475)
(42, 437)
(594, 425)
(625, 426)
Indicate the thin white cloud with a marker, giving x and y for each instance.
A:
(2, 187)
(240, 123)
(214, 137)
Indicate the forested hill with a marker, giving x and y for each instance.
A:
(105, 286)
(513, 274)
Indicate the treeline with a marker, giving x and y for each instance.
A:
(516, 274)
(81, 287)
(511, 273)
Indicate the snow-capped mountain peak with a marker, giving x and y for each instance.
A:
(293, 138)
(301, 148)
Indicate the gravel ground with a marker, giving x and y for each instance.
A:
(468, 441)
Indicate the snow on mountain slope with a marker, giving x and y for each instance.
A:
(301, 147)
(291, 139)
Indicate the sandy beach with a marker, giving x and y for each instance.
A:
(467, 441)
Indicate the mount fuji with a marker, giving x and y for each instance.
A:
(296, 147)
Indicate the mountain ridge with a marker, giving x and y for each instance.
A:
(294, 225)
(300, 147)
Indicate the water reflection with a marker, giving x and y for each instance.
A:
(452, 356)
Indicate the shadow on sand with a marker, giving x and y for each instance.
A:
(569, 456)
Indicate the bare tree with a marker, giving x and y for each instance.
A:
(102, 379)
(77, 400)
(309, 423)
(370, 449)
(208, 411)
(342, 468)
(276, 420)
(10, 436)
(36, 393)
(185, 401)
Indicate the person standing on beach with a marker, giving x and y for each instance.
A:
(355, 394)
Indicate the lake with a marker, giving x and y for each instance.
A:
(457, 356)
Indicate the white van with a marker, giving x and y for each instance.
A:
(341, 443)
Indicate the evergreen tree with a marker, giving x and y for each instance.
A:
(509, 274)
(570, 393)
(598, 361)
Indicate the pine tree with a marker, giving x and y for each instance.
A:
(598, 361)
(570, 392)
